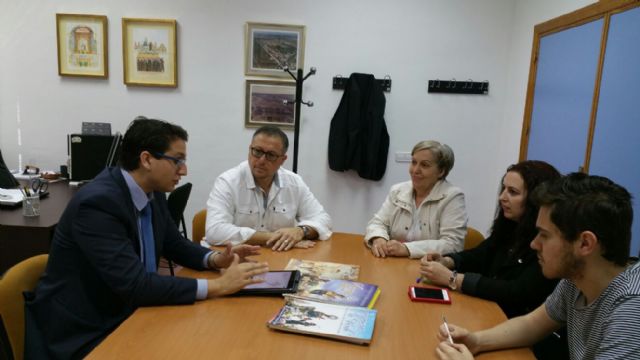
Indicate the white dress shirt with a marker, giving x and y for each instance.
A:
(237, 207)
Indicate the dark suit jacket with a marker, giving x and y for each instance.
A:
(358, 137)
(94, 277)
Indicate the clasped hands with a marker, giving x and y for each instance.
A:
(381, 247)
(436, 268)
(287, 238)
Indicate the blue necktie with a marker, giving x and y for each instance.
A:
(148, 244)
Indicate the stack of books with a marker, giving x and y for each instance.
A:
(329, 303)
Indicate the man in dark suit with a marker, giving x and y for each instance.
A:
(102, 262)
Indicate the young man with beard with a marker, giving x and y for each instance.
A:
(584, 237)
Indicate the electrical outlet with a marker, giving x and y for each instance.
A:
(403, 156)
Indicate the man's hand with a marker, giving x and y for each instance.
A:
(446, 351)
(396, 248)
(459, 335)
(305, 244)
(286, 238)
(224, 259)
(237, 276)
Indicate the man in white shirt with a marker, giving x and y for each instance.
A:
(260, 203)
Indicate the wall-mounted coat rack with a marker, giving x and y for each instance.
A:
(459, 87)
(339, 83)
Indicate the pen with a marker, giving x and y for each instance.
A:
(446, 326)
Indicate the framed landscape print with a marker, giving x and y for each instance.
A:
(150, 52)
(271, 47)
(82, 45)
(265, 103)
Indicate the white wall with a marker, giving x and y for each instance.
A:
(410, 40)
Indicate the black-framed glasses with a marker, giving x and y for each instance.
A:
(258, 153)
(175, 160)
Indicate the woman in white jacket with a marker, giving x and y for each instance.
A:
(426, 214)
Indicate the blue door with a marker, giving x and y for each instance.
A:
(565, 79)
(615, 152)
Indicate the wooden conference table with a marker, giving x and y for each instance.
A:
(235, 327)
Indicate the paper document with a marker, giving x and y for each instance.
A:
(10, 196)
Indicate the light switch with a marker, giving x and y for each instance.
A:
(403, 156)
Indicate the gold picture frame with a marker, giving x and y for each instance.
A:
(265, 103)
(150, 52)
(270, 47)
(82, 45)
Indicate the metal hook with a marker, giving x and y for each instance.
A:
(452, 83)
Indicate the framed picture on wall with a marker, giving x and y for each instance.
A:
(82, 45)
(271, 47)
(150, 52)
(270, 103)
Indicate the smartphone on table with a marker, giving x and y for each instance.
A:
(428, 294)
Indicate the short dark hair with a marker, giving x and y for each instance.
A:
(274, 131)
(522, 232)
(154, 136)
(579, 202)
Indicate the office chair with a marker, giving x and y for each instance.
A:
(197, 226)
(177, 202)
(7, 181)
(473, 238)
(21, 277)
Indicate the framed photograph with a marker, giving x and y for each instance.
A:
(82, 45)
(265, 103)
(271, 47)
(150, 52)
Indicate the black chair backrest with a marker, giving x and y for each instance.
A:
(7, 181)
(178, 202)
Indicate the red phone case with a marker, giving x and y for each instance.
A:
(439, 301)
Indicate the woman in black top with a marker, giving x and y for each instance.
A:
(503, 268)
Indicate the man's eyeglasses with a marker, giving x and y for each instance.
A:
(176, 161)
(271, 156)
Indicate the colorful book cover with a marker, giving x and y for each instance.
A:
(341, 292)
(347, 323)
(324, 270)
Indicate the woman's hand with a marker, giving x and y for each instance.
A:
(379, 247)
(435, 272)
(444, 260)
(396, 248)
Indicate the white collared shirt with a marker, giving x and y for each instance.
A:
(236, 208)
